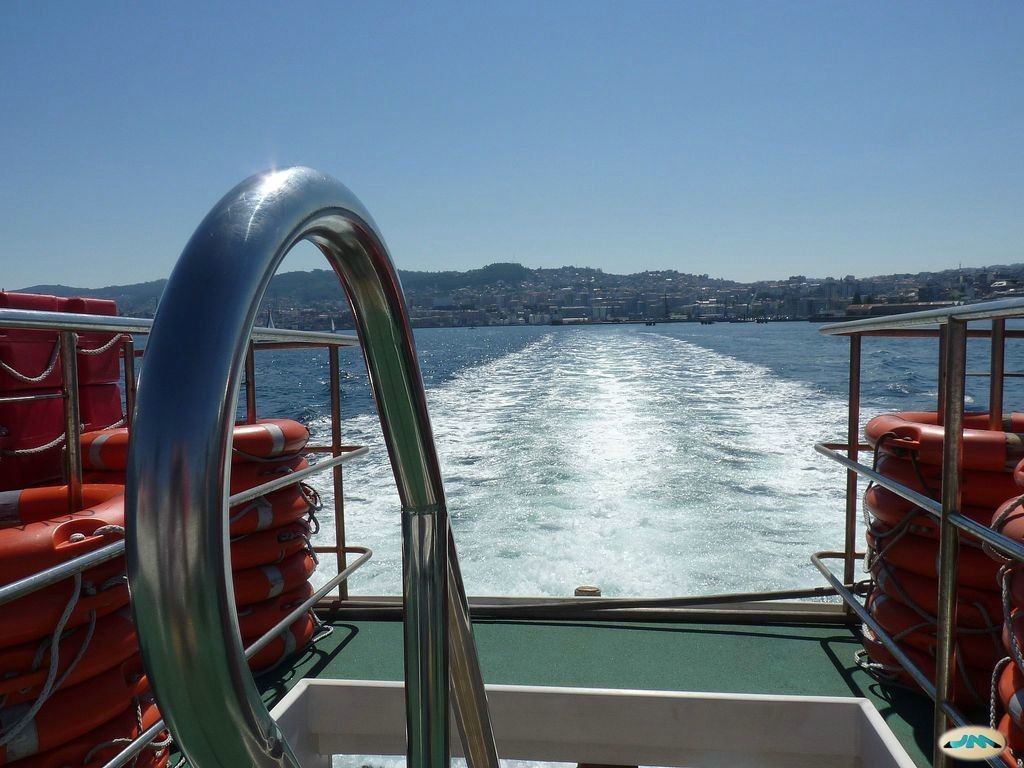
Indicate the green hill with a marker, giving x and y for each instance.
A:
(300, 288)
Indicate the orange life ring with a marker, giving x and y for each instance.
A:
(920, 555)
(268, 512)
(24, 668)
(1009, 519)
(1014, 737)
(1011, 692)
(74, 711)
(30, 548)
(256, 619)
(250, 474)
(977, 488)
(124, 725)
(982, 648)
(970, 684)
(32, 505)
(254, 585)
(290, 641)
(914, 433)
(103, 590)
(892, 510)
(242, 476)
(107, 449)
(267, 547)
(1011, 422)
(268, 438)
(976, 608)
(262, 513)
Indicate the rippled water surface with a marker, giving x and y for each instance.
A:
(660, 460)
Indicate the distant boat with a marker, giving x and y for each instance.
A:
(333, 329)
(270, 318)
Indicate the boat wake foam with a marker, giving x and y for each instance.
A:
(646, 464)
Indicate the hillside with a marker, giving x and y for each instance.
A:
(319, 287)
(305, 288)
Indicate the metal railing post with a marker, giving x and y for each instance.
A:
(466, 678)
(940, 405)
(250, 385)
(949, 538)
(339, 489)
(128, 352)
(995, 384)
(68, 341)
(853, 451)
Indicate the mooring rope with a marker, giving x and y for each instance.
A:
(24, 377)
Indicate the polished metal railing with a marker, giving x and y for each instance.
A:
(952, 334)
(182, 430)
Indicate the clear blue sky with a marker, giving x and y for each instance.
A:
(745, 140)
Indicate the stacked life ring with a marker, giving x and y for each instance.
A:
(71, 679)
(1009, 690)
(69, 661)
(271, 555)
(272, 559)
(903, 547)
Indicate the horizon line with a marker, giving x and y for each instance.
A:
(705, 275)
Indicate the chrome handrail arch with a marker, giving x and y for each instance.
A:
(177, 481)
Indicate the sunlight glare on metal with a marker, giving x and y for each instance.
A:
(273, 182)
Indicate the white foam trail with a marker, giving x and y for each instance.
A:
(639, 462)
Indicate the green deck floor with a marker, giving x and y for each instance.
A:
(730, 658)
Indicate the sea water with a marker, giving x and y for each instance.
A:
(667, 460)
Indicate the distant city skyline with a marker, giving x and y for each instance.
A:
(1014, 268)
(745, 140)
(511, 294)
